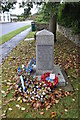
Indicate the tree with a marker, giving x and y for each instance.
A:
(27, 8)
(5, 5)
(50, 10)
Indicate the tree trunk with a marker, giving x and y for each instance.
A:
(52, 26)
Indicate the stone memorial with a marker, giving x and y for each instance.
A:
(45, 56)
(44, 51)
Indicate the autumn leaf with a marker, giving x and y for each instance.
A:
(65, 110)
(48, 107)
(41, 113)
(53, 114)
(56, 101)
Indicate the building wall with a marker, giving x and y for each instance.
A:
(5, 17)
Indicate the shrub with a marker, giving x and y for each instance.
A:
(68, 16)
(76, 27)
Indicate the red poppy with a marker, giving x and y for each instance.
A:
(45, 75)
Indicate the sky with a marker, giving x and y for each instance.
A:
(19, 11)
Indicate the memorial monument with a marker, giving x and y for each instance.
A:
(44, 51)
(45, 56)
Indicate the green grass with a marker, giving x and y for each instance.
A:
(31, 35)
(10, 35)
(66, 54)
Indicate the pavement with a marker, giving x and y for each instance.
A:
(8, 46)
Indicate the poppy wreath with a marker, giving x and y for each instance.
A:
(52, 83)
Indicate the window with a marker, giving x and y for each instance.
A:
(4, 18)
(8, 18)
(0, 18)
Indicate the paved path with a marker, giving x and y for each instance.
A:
(6, 48)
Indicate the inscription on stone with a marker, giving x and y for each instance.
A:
(45, 55)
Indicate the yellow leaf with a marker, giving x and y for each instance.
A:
(20, 101)
(53, 114)
(56, 101)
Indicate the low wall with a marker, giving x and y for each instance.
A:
(40, 26)
(67, 32)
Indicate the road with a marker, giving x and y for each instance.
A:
(9, 27)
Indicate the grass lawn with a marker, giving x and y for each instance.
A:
(31, 35)
(66, 54)
(10, 35)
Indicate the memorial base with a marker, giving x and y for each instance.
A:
(62, 78)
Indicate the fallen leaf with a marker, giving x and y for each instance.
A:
(66, 110)
(38, 105)
(77, 89)
(62, 112)
(34, 105)
(8, 105)
(73, 99)
(53, 114)
(5, 111)
(56, 101)
(10, 109)
(4, 104)
(22, 108)
(41, 113)
(20, 101)
(18, 106)
(28, 104)
(24, 100)
(60, 89)
(2, 91)
(48, 107)
(3, 115)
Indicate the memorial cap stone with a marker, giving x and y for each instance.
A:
(44, 37)
(44, 51)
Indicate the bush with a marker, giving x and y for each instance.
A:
(76, 27)
(47, 11)
(42, 19)
(68, 16)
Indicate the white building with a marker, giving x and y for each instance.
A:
(14, 18)
(5, 17)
